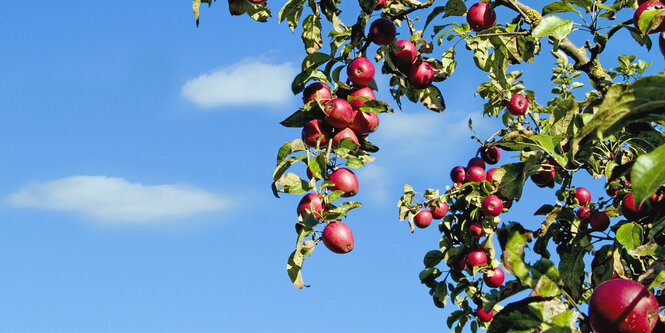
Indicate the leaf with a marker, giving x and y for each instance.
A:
(516, 317)
(433, 258)
(513, 239)
(291, 11)
(311, 34)
(259, 13)
(195, 6)
(435, 12)
(572, 267)
(431, 98)
(630, 235)
(553, 26)
(301, 79)
(650, 18)
(289, 148)
(602, 265)
(455, 8)
(558, 7)
(294, 264)
(648, 174)
(511, 180)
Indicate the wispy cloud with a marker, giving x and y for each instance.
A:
(114, 199)
(249, 82)
(374, 182)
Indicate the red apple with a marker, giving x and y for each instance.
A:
(612, 188)
(355, 102)
(312, 130)
(622, 306)
(309, 201)
(583, 196)
(310, 174)
(343, 134)
(458, 174)
(337, 237)
(364, 122)
(599, 221)
(339, 113)
(584, 213)
(476, 258)
(439, 209)
(421, 74)
(408, 53)
(360, 71)
(476, 174)
(380, 5)
(382, 31)
(489, 174)
(345, 180)
(517, 105)
(481, 17)
(661, 43)
(484, 316)
(494, 278)
(256, 2)
(477, 162)
(647, 6)
(544, 178)
(492, 205)
(423, 219)
(316, 90)
(460, 264)
(490, 154)
(476, 230)
(629, 209)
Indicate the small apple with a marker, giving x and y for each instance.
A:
(360, 71)
(408, 53)
(613, 188)
(476, 230)
(492, 205)
(494, 278)
(343, 134)
(365, 92)
(460, 263)
(648, 5)
(423, 219)
(316, 90)
(337, 237)
(439, 209)
(345, 180)
(517, 105)
(309, 201)
(458, 174)
(490, 174)
(584, 212)
(484, 316)
(380, 4)
(312, 130)
(583, 196)
(476, 258)
(364, 122)
(481, 17)
(629, 209)
(476, 174)
(477, 162)
(382, 31)
(339, 113)
(622, 306)
(599, 221)
(544, 178)
(490, 154)
(421, 74)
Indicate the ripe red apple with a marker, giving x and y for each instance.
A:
(490, 154)
(484, 316)
(307, 202)
(256, 2)
(345, 180)
(422, 219)
(584, 213)
(337, 237)
(476, 258)
(517, 105)
(476, 229)
(458, 174)
(421, 74)
(360, 71)
(646, 6)
(622, 306)
(475, 174)
(494, 278)
(439, 209)
(612, 188)
(460, 264)
(583, 196)
(364, 122)
(316, 90)
(661, 43)
(489, 174)
(380, 5)
(339, 113)
(477, 162)
(343, 134)
(628, 208)
(407, 54)
(382, 31)
(599, 221)
(355, 102)
(492, 205)
(312, 130)
(481, 17)
(544, 178)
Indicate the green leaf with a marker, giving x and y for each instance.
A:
(291, 11)
(259, 13)
(602, 265)
(289, 148)
(455, 8)
(513, 239)
(630, 235)
(433, 258)
(301, 79)
(558, 7)
(432, 99)
(435, 12)
(648, 174)
(572, 267)
(650, 18)
(553, 26)
(511, 180)
(311, 34)
(294, 264)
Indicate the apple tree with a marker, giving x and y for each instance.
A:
(610, 247)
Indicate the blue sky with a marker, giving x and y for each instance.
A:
(137, 159)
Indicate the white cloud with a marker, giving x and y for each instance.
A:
(249, 82)
(115, 199)
(373, 182)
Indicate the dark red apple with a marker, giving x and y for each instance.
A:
(316, 90)
(421, 74)
(612, 188)
(476, 258)
(360, 71)
(380, 5)
(439, 209)
(599, 221)
(309, 201)
(343, 134)
(423, 219)
(407, 54)
(492, 205)
(629, 209)
(623, 306)
(312, 130)
(544, 178)
(345, 180)
(364, 122)
(481, 17)
(517, 105)
(355, 102)
(489, 174)
(477, 162)
(661, 43)
(494, 278)
(476, 229)
(584, 213)
(583, 196)
(484, 316)
(460, 263)
(475, 174)
(337, 237)
(458, 174)
(256, 2)
(382, 31)
(490, 154)
(339, 113)
(647, 6)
